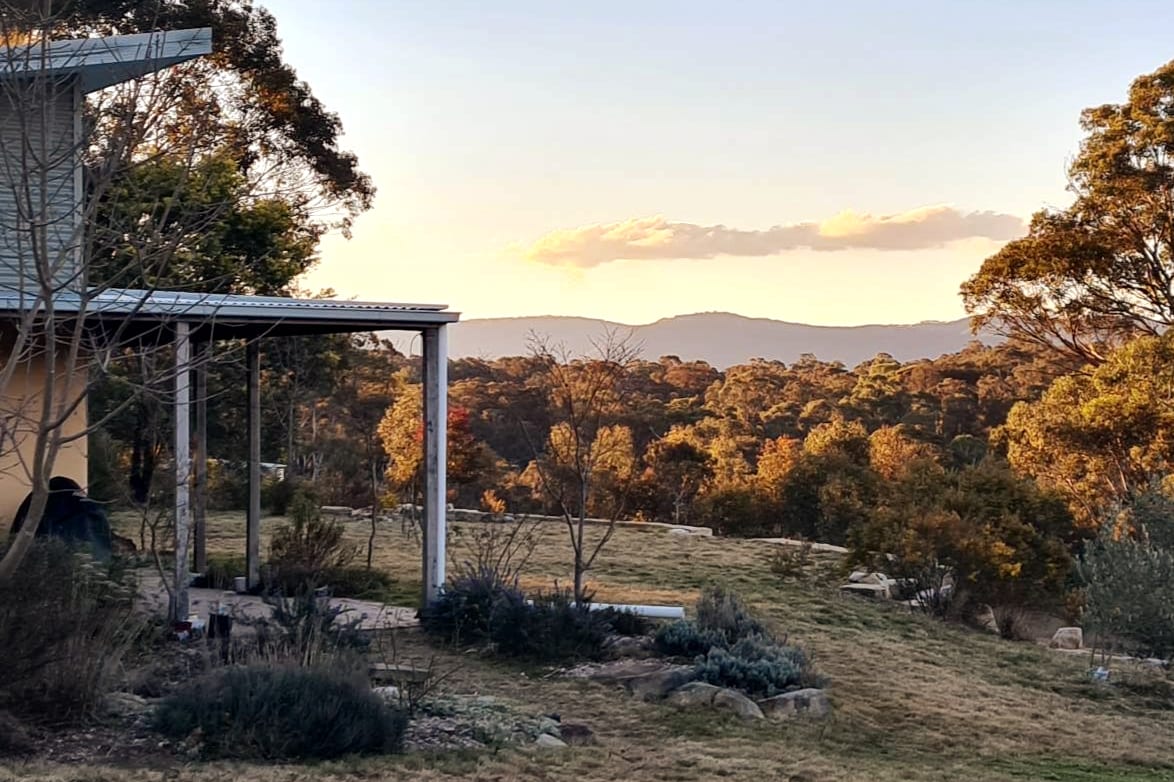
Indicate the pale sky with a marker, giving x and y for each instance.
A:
(818, 162)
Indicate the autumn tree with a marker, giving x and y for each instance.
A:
(1100, 438)
(1090, 277)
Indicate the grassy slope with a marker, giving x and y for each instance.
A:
(914, 699)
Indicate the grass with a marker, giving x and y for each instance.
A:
(914, 699)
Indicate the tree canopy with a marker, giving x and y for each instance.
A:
(1088, 278)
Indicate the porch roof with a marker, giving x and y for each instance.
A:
(102, 62)
(232, 316)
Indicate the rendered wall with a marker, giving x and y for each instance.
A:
(20, 409)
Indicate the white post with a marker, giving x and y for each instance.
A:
(435, 458)
(183, 467)
(253, 512)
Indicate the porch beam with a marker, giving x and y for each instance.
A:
(435, 459)
(253, 515)
(183, 464)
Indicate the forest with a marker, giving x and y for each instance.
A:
(1006, 461)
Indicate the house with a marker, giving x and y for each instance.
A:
(55, 325)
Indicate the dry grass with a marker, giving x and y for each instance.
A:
(914, 699)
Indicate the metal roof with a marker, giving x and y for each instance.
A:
(223, 316)
(102, 62)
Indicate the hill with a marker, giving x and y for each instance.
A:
(722, 339)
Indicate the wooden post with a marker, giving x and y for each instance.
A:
(183, 465)
(253, 518)
(200, 454)
(435, 458)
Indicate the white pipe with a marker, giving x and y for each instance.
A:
(652, 612)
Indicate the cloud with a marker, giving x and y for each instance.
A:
(653, 238)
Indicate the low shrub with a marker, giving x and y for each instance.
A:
(221, 570)
(625, 622)
(66, 622)
(721, 610)
(756, 666)
(463, 614)
(685, 639)
(306, 629)
(550, 628)
(309, 546)
(282, 713)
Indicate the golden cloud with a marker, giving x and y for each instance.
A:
(655, 238)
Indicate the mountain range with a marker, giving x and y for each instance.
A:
(720, 338)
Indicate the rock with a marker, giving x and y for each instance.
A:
(875, 591)
(123, 704)
(656, 685)
(1068, 638)
(547, 741)
(680, 532)
(810, 702)
(388, 693)
(633, 647)
(699, 695)
(576, 733)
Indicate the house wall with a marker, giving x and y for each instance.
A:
(40, 182)
(20, 409)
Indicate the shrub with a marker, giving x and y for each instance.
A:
(280, 713)
(464, 612)
(221, 570)
(66, 622)
(1131, 595)
(625, 622)
(756, 666)
(303, 550)
(551, 628)
(686, 639)
(278, 497)
(304, 628)
(721, 610)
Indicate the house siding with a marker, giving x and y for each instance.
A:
(39, 143)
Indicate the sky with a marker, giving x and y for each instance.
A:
(834, 163)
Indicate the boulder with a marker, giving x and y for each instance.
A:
(656, 685)
(633, 647)
(810, 702)
(547, 741)
(874, 591)
(1068, 638)
(699, 695)
(646, 679)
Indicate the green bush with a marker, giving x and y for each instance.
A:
(550, 628)
(1130, 594)
(302, 551)
(756, 666)
(282, 713)
(463, 614)
(721, 610)
(685, 639)
(221, 570)
(625, 622)
(66, 621)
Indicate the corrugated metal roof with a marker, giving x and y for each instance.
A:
(226, 311)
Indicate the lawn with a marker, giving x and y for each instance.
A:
(914, 699)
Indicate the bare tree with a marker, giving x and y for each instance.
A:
(586, 459)
(76, 234)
